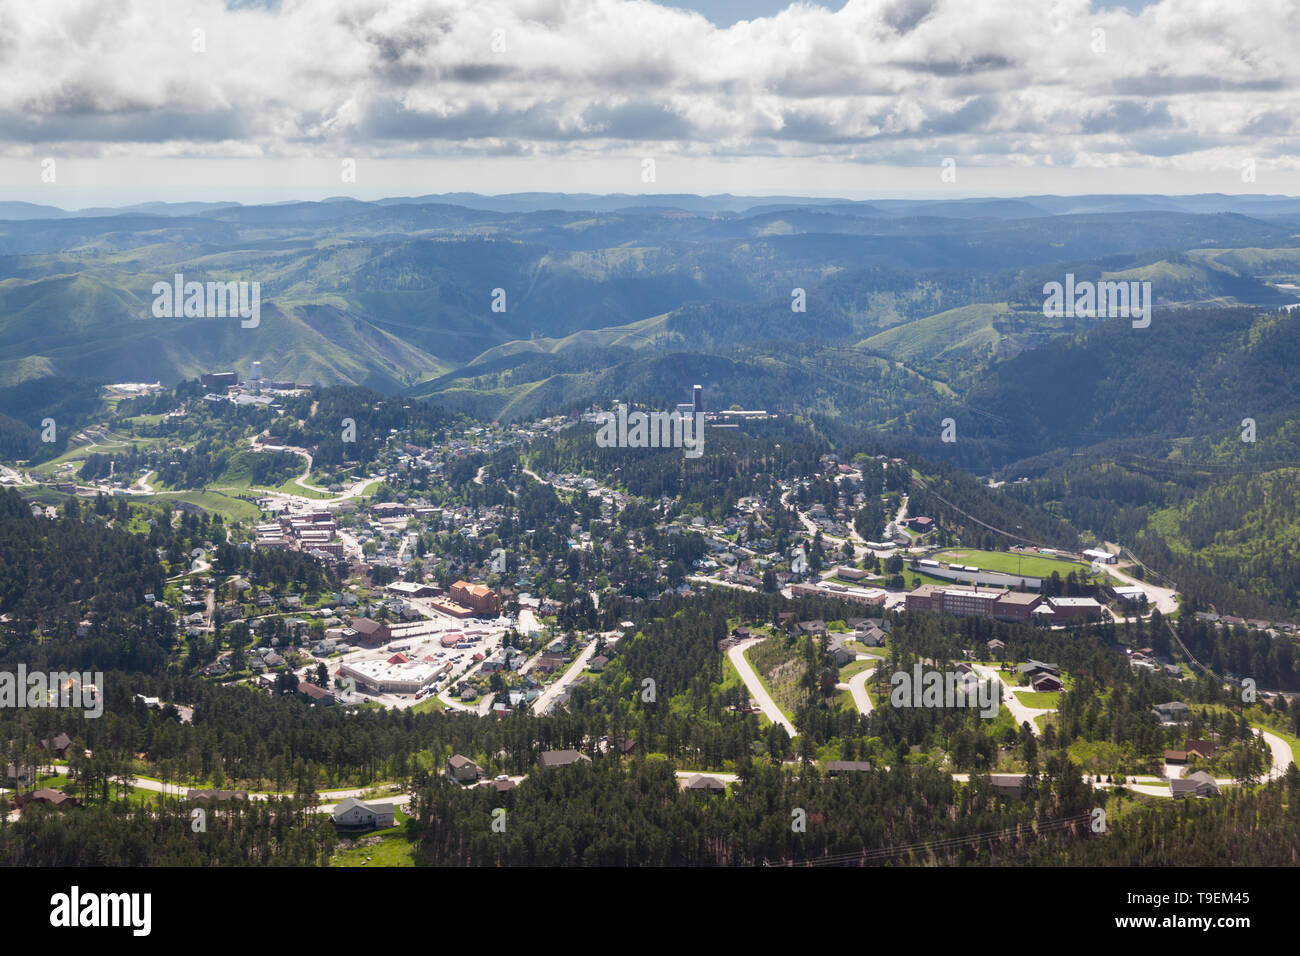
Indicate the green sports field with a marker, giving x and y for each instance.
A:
(1011, 562)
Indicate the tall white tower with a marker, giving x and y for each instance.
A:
(256, 374)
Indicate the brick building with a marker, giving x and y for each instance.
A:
(978, 602)
(478, 597)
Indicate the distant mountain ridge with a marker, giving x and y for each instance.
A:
(1008, 207)
(888, 313)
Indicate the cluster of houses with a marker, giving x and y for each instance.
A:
(1146, 658)
(868, 631)
(1275, 628)
(461, 769)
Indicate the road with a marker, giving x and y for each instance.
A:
(1164, 599)
(1281, 750)
(896, 525)
(1018, 710)
(547, 699)
(756, 688)
(179, 790)
(1150, 785)
(301, 481)
(858, 688)
(813, 528)
(704, 579)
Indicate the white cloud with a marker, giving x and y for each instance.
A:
(879, 81)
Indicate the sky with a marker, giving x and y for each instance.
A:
(116, 101)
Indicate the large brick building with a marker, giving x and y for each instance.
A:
(1067, 609)
(479, 597)
(978, 602)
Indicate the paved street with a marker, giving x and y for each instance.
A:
(756, 688)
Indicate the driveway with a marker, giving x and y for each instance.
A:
(858, 688)
(1165, 599)
(1018, 710)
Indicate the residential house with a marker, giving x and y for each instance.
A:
(462, 769)
(561, 758)
(314, 693)
(1034, 668)
(835, 768)
(1006, 784)
(52, 798)
(871, 634)
(1173, 712)
(1198, 784)
(19, 778)
(59, 745)
(222, 796)
(1046, 682)
(352, 814)
(701, 783)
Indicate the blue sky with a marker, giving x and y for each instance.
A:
(724, 13)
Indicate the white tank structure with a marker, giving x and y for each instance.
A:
(256, 374)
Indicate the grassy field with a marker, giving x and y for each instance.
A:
(909, 576)
(229, 507)
(394, 848)
(856, 667)
(860, 648)
(1010, 562)
(1039, 700)
(433, 704)
(874, 580)
(290, 487)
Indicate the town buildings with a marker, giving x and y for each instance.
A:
(1002, 605)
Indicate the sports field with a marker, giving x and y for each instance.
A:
(1011, 562)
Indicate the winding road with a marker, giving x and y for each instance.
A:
(857, 686)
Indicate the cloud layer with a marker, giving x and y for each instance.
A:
(1193, 84)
